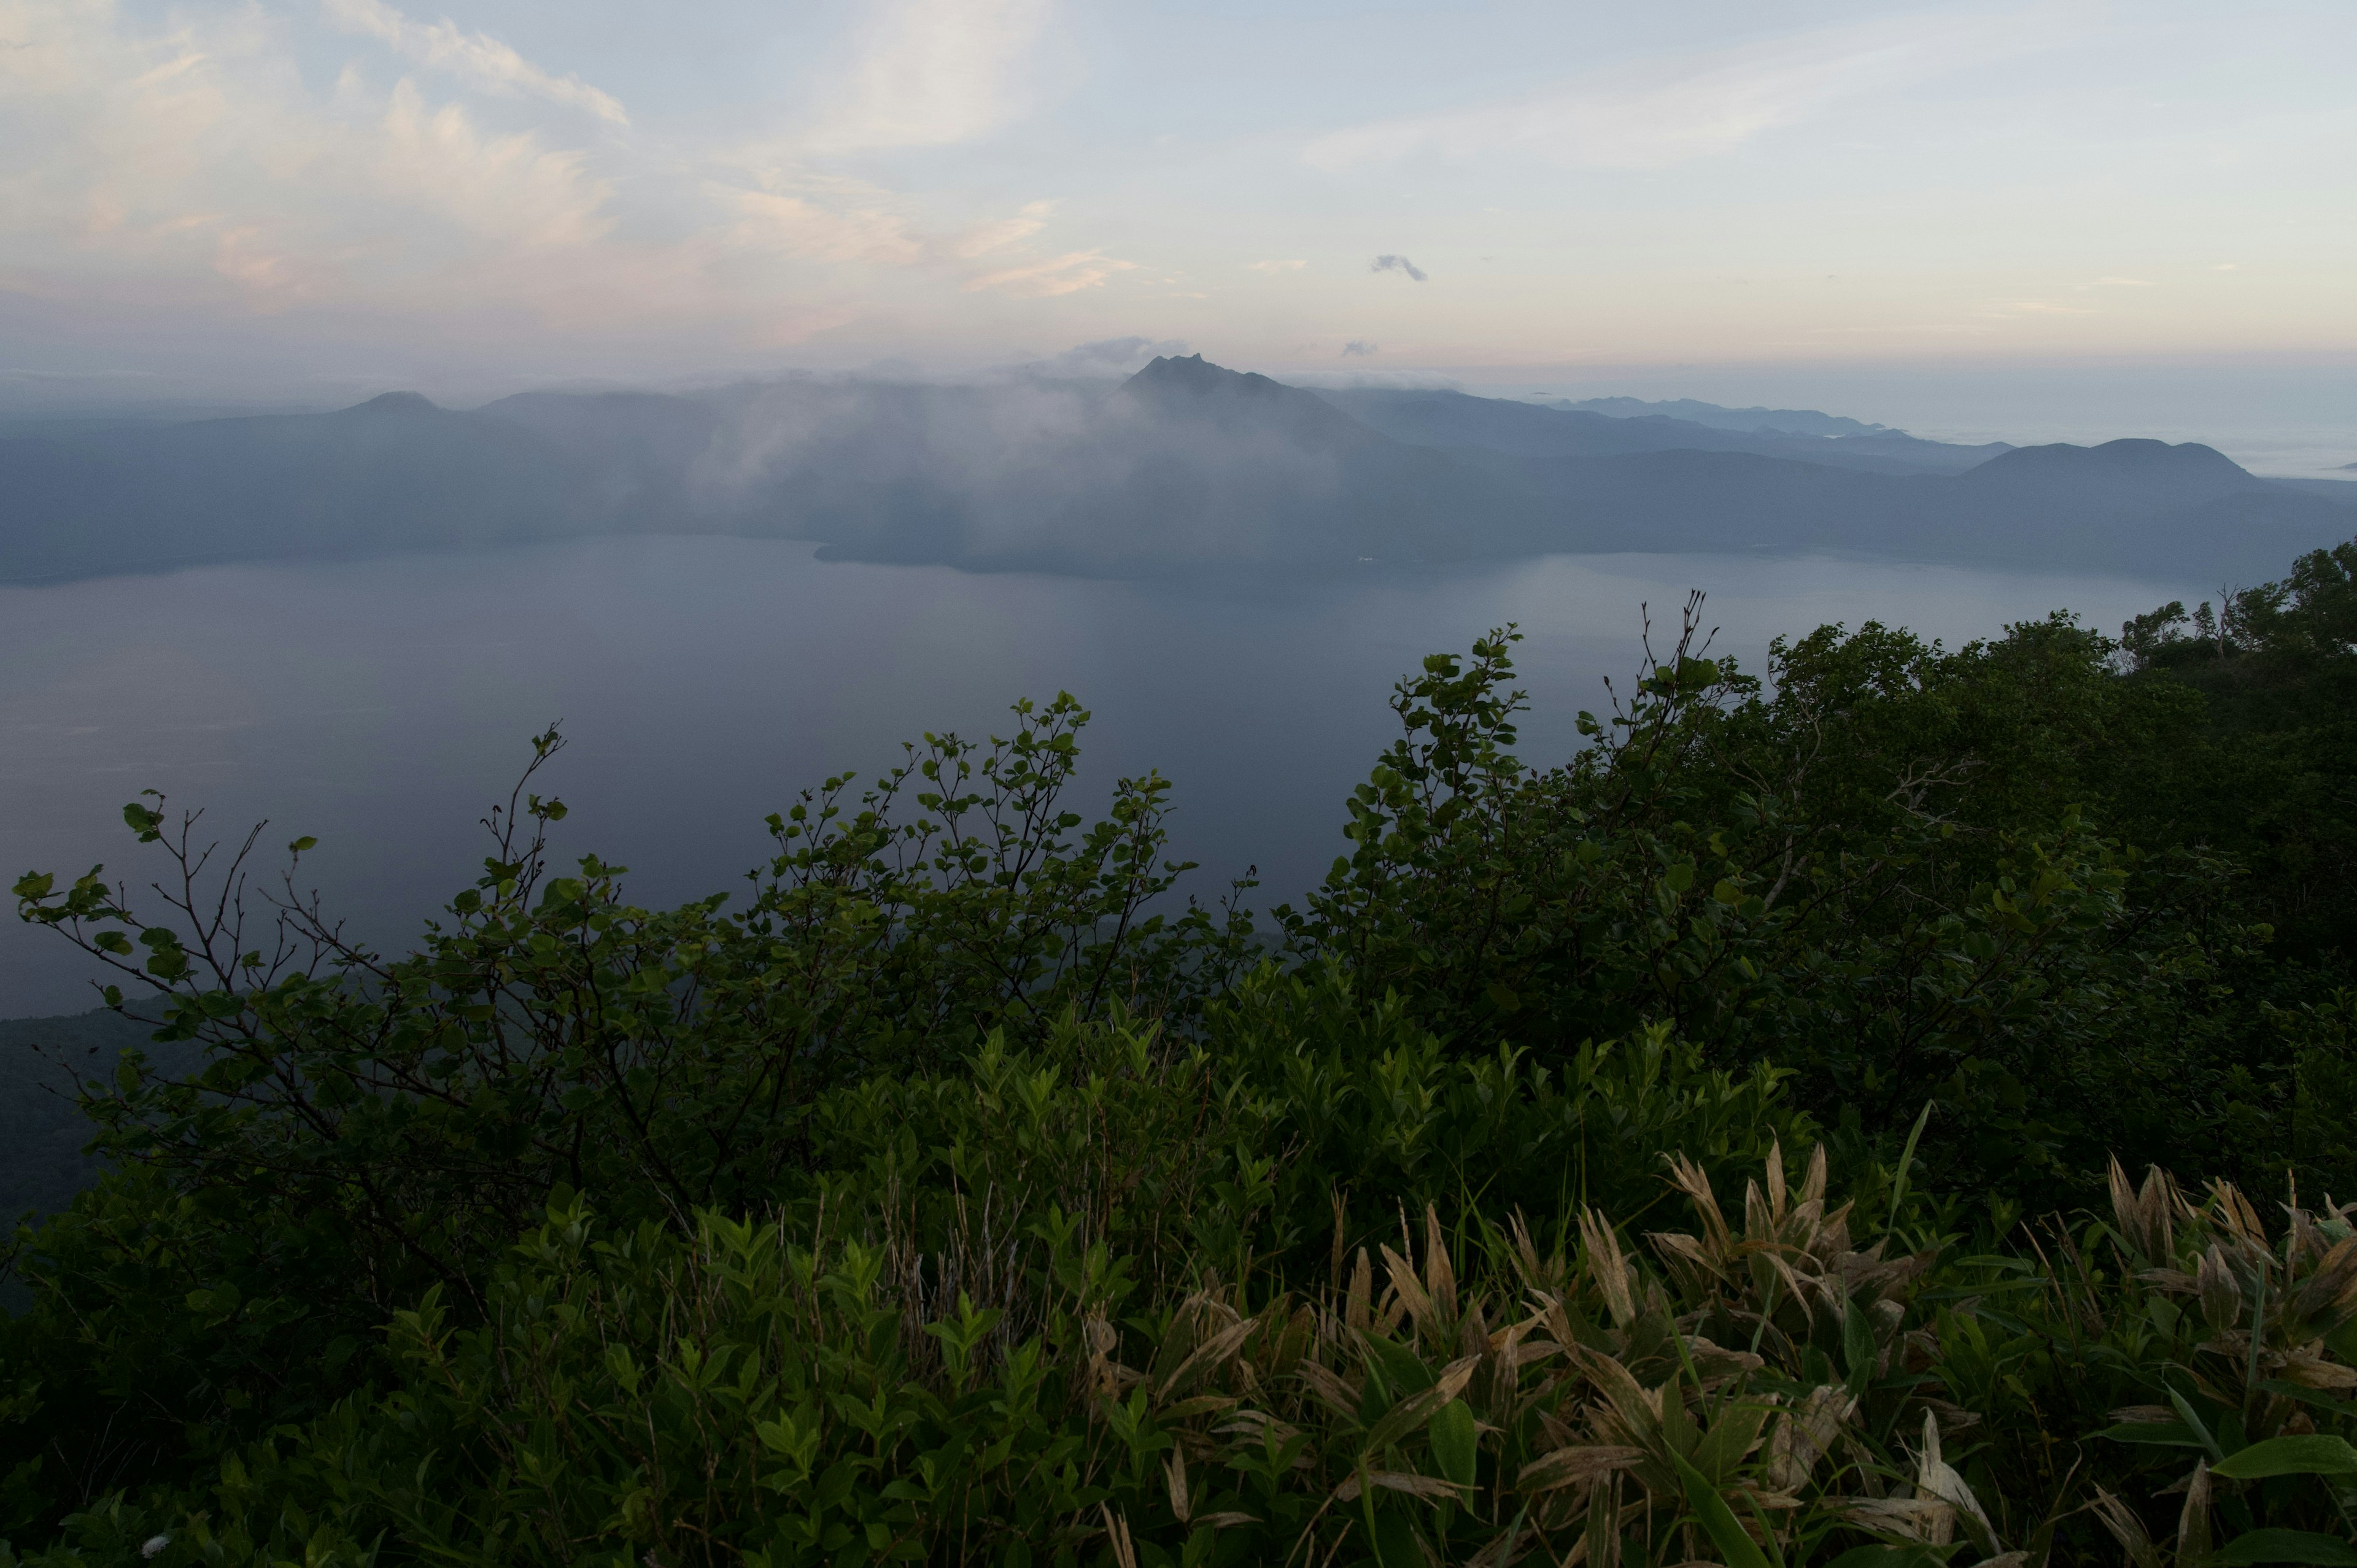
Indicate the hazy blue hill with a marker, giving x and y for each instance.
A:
(1438, 418)
(1186, 467)
(394, 472)
(2144, 507)
(2118, 476)
(1784, 421)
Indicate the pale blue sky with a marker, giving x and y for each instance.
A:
(267, 196)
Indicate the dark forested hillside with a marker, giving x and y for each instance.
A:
(1880, 1108)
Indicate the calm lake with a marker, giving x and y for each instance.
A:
(383, 705)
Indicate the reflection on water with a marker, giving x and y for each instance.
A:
(381, 705)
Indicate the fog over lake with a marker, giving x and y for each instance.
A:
(383, 705)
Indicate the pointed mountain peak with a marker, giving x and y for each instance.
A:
(395, 402)
(1194, 376)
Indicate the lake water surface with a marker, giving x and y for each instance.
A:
(383, 705)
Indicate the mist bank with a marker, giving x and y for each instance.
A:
(1186, 468)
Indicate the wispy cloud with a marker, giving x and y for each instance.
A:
(510, 189)
(1112, 354)
(475, 58)
(1389, 264)
(1696, 105)
(1274, 266)
(1067, 274)
(806, 226)
(985, 238)
(930, 73)
(1359, 348)
(2033, 307)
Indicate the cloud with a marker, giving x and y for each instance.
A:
(504, 187)
(985, 238)
(1103, 354)
(1697, 106)
(1390, 264)
(2033, 307)
(806, 227)
(931, 73)
(475, 58)
(1359, 348)
(1067, 274)
(1274, 266)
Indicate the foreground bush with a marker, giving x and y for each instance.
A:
(1767, 1389)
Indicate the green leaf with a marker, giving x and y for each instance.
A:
(1858, 1349)
(1455, 1442)
(1884, 1557)
(2288, 1546)
(2163, 1434)
(1718, 1521)
(300, 846)
(2316, 1454)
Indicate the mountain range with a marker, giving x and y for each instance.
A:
(1186, 467)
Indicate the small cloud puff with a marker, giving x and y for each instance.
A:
(1389, 264)
(1359, 348)
(1274, 266)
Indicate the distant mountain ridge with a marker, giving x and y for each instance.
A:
(1452, 418)
(1781, 420)
(1186, 467)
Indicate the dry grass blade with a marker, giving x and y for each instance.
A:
(1804, 1435)
(1935, 1478)
(1535, 1275)
(2127, 1528)
(1416, 1409)
(1813, 1185)
(1440, 1273)
(1925, 1520)
(1358, 1307)
(1638, 1408)
(1606, 1267)
(1414, 1485)
(1219, 1347)
(1117, 1536)
(2194, 1521)
(1579, 1464)
(2222, 1292)
(1688, 1178)
(1410, 1290)
(2327, 1297)
(1331, 1390)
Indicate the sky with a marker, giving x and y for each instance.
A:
(1935, 211)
